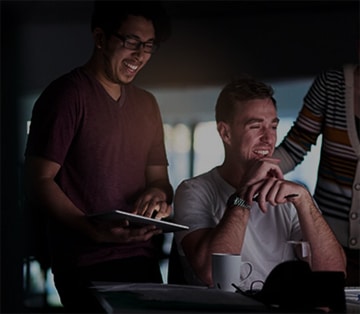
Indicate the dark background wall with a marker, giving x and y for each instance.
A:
(212, 41)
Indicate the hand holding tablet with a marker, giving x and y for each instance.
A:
(136, 220)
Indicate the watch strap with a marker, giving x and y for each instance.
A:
(236, 200)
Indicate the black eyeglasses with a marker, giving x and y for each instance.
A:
(135, 44)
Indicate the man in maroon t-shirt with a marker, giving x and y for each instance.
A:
(96, 143)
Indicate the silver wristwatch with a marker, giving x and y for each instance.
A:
(236, 200)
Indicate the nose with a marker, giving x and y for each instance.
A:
(268, 136)
(140, 52)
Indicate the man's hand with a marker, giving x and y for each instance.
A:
(152, 203)
(107, 232)
(258, 171)
(278, 191)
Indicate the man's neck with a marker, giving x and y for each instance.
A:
(230, 173)
(114, 90)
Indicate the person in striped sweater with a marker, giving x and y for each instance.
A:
(331, 108)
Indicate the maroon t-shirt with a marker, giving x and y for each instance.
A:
(103, 147)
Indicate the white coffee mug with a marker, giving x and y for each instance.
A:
(227, 269)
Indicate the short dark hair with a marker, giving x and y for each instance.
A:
(109, 16)
(240, 90)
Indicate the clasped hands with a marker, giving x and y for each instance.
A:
(264, 182)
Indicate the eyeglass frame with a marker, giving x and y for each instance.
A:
(139, 43)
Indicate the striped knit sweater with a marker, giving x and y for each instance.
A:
(328, 109)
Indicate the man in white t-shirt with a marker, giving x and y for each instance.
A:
(245, 206)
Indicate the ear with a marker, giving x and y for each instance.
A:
(224, 132)
(99, 37)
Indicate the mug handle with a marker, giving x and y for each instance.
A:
(250, 270)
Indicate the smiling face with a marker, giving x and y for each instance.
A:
(120, 65)
(251, 134)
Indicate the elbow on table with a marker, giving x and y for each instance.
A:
(336, 263)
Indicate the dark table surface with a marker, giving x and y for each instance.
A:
(174, 299)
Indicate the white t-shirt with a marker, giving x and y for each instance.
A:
(200, 203)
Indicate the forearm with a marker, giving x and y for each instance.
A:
(286, 162)
(326, 252)
(298, 141)
(227, 237)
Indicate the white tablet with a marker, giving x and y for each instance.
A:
(137, 220)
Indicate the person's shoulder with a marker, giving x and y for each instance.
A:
(200, 180)
(332, 73)
(330, 78)
(71, 78)
(66, 89)
(136, 91)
